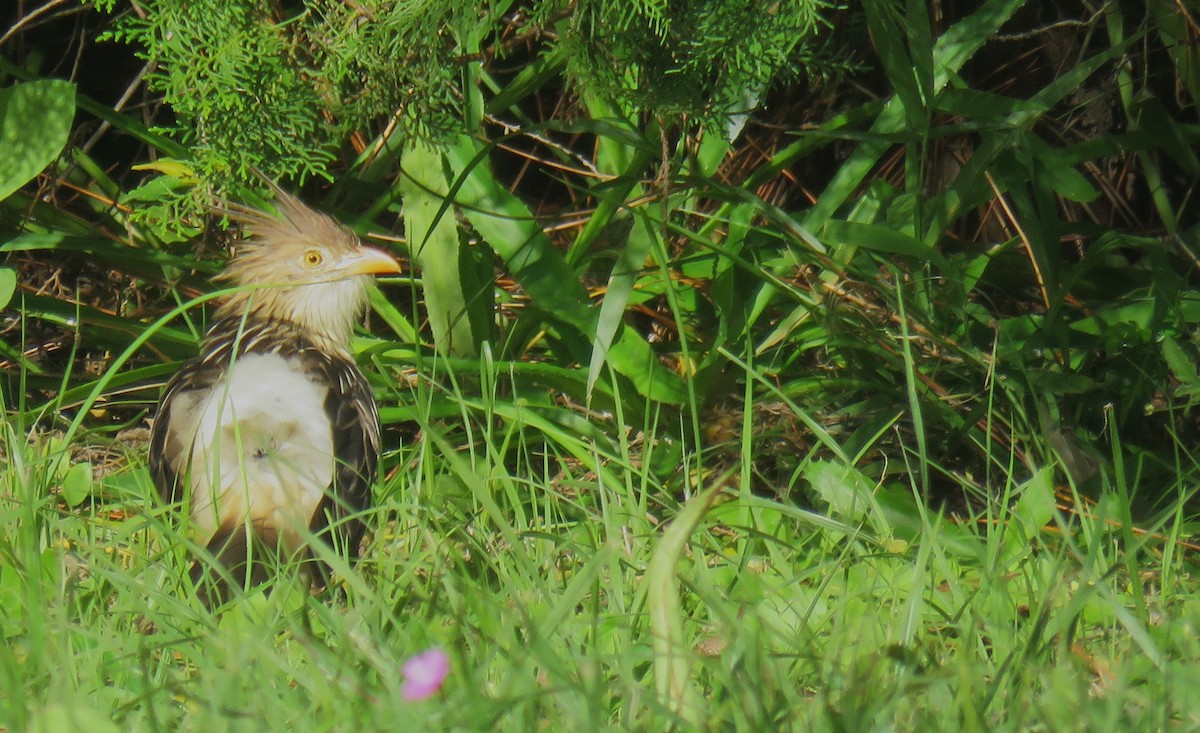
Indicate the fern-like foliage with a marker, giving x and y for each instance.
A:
(278, 88)
(239, 84)
(699, 58)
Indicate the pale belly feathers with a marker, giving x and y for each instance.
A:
(263, 450)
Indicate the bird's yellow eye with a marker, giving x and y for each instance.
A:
(313, 257)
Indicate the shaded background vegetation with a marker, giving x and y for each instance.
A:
(957, 229)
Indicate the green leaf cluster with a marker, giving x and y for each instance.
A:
(240, 86)
(384, 60)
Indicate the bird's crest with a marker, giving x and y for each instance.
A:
(268, 238)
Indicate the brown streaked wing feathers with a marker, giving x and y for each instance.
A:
(353, 417)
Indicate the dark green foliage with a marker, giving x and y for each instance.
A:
(705, 60)
(279, 87)
(381, 60)
(934, 192)
(260, 88)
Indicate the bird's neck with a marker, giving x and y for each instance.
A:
(260, 315)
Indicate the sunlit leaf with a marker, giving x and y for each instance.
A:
(77, 484)
(35, 121)
(8, 285)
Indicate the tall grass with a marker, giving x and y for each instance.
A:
(563, 602)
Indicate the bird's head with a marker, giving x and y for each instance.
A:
(303, 267)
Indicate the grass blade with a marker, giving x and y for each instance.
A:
(672, 666)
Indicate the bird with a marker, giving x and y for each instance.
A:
(269, 438)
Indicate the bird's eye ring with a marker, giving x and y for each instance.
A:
(313, 257)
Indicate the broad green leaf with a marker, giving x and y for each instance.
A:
(1036, 506)
(953, 49)
(530, 80)
(973, 270)
(1174, 28)
(919, 33)
(1033, 510)
(1180, 363)
(733, 283)
(1054, 170)
(984, 107)
(150, 377)
(612, 153)
(35, 121)
(506, 223)
(1138, 313)
(12, 595)
(1168, 133)
(106, 329)
(888, 31)
(391, 315)
(881, 238)
(435, 244)
(607, 216)
(971, 185)
(616, 295)
(510, 228)
(140, 261)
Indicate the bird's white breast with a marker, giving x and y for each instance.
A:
(263, 449)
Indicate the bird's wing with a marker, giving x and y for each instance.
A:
(170, 435)
(354, 420)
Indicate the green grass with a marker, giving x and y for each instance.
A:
(573, 591)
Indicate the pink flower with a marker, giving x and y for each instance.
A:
(425, 673)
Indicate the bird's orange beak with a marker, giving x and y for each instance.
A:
(370, 261)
